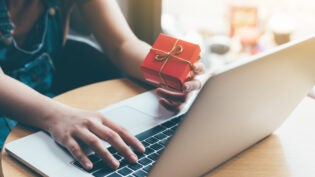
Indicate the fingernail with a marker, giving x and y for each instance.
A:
(116, 163)
(197, 70)
(143, 148)
(134, 158)
(88, 165)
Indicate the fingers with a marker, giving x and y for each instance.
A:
(125, 135)
(199, 68)
(192, 85)
(172, 100)
(92, 131)
(96, 145)
(74, 148)
(172, 106)
(115, 139)
(174, 96)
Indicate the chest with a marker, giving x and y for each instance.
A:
(24, 14)
(38, 29)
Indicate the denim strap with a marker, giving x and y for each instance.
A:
(6, 27)
(82, 1)
(51, 3)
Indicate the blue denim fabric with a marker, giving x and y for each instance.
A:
(37, 74)
(31, 64)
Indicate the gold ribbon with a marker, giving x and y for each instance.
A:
(176, 50)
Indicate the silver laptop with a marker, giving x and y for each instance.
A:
(237, 107)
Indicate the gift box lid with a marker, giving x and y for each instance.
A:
(163, 45)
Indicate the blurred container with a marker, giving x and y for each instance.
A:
(219, 44)
(282, 27)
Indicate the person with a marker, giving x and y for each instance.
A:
(32, 34)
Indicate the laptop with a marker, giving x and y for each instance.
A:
(238, 106)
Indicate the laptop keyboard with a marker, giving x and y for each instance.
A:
(154, 140)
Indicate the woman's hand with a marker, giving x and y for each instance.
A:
(172, 100)
(74, 128)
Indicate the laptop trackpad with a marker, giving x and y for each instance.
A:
(129, 117)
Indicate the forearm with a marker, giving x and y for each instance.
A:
(25, 105)
(115, 36)
(70, 127)
(129, 60)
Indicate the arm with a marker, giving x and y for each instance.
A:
(125, 49)
(115, 36)
(67, 125)
(17, 101)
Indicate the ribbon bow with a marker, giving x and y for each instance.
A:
(174, 52)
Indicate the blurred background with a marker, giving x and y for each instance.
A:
(233, 29)
(227, 30)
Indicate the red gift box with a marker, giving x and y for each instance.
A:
(169, 62)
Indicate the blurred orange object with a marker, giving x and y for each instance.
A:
(242, 16)
(249, 36)
(249, 39)
(170, 61)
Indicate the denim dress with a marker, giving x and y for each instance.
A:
(32, 64)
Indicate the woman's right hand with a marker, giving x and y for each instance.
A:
(75, 128)
(72, 128)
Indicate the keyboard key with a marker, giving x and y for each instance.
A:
(150, 132)
(163, 141)
(103, 172)
(94, 158)
(159, 151)
(157, 146)
(160, 136)
(140, 173)
(117, 156)
(177, 119)
(145, 144)
(125, 171)
(174, 127)
(135, 166)
(148, 150)
(168, 132)
(114, 175)
(154, 156)
(123, 163)
(168, 124)
(139, 154)
(77, 164)
(147, 168)
(145, 161)
(112, 150)
(151, 140)
(98, 165)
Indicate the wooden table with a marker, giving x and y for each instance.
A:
(290, 151)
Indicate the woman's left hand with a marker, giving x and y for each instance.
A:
(172, 100)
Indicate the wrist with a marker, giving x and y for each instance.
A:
(53, 116)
